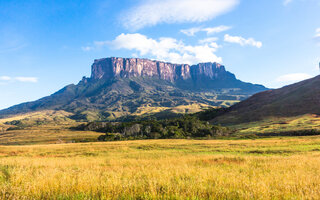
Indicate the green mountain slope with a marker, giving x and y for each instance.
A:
(293, 100)
(108, 96)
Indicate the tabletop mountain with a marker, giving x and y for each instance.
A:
(131, 86)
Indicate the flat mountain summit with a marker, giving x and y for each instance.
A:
(202, 76)
(132, 86)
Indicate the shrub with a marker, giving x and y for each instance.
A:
(110, 137)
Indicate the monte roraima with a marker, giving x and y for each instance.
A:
(120, 87)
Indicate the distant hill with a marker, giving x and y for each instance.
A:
(129, 86)
(290, 101)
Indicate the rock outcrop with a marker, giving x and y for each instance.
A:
(129, 86)
(107, 68)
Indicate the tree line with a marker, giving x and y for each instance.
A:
(184, 127)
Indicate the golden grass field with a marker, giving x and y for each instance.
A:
(54, 128)
(277, 168)
(46, 135)
(303, 122)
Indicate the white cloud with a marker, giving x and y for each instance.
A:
(101, 43)
(166, 49)
(87, 48)
(217, 29)
(153, 12)
(286, 2)
(242, 41)
(293, 77)
(5, 78)
(209, 30)
(19, 79)
(317, 36)
(208, 40)
(191, 31)
(95, 45)
(27, 79)
(211, 41)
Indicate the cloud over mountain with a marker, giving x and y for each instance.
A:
(242, 41)
(150, 13)
(167, 49)
(208, 30)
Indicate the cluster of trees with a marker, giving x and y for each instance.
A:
(184, 127)
(210, 114)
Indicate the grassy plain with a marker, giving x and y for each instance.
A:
(42, 127)
(280, 124)
(276, 168)
(46, 135)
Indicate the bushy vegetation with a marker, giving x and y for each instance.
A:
(184, 127)
(210, 114)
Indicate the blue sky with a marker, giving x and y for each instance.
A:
(45, 45)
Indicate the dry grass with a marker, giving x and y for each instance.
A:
(303, 122)
(46, 135)
(45, 115)
(41, 127)
(287, 168)
(182, 109)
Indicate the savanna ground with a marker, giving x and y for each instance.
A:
(274, 168)
(279, 125)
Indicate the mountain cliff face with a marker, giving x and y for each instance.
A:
(108, 68)
(131, 86)
(202, 76)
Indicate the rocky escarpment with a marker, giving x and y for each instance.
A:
(108, 68)
(132, 86)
